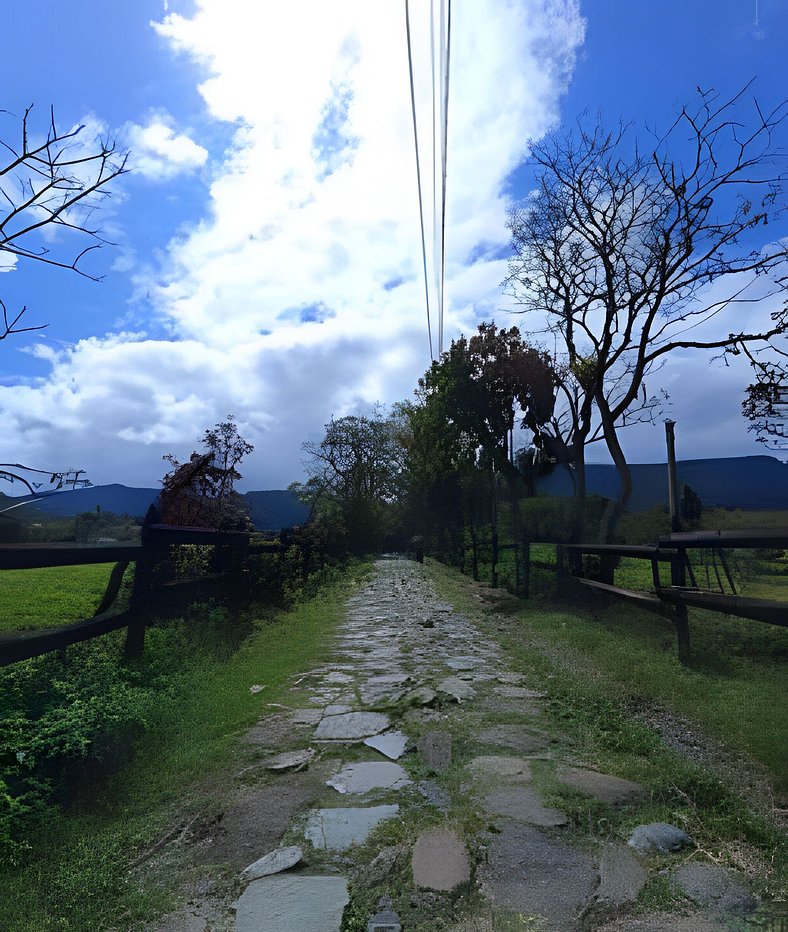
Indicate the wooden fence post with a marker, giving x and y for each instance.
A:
(680, 616)
(140, 603)
(525, 580)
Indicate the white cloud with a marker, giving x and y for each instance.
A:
(298, 295)
(159, 153)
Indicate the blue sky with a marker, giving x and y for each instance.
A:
(267, 253)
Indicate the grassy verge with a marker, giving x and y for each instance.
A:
(612, 677)
(78, 879)
(51, 596)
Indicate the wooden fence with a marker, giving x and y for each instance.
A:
(683, 593)
(154, 593)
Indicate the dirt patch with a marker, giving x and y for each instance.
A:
(256, 820)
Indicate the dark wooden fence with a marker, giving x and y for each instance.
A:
(155, 593)
(674, 600)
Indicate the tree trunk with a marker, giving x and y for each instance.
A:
(614, 510)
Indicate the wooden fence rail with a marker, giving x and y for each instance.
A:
(152, 595)
(673, 601)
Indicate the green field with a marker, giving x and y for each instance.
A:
(52, 596)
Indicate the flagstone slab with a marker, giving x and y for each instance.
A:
(440, 860)
(276, 861)
(513, 679)
(518, 692)
(421, 696)
(292, 903)
(351, 726)
(391, 743)
(338, 829)
(456, 688)
(435, 749)
(603, 786)
(498, 767)
(524, 804)
(621, 876)
(366, 776)
(306, 716)
(529, 873)
(464, 663)
(716, 888)
(516, 737)
(288, 760)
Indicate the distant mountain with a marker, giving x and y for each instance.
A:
(275, 509)
(750, 482)
(270, 510)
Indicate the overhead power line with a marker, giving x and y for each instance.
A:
(439, 61)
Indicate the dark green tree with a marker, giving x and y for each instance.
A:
(356, 476)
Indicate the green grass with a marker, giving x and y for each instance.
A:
(78, 878)
(610, 670)
(51, 596)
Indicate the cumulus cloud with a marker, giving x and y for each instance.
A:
(298, 295)
(159, 153)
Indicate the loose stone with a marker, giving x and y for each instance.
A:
(440, 860)
(455, 688)
(422, 696)
(659, 836)
(276, 861)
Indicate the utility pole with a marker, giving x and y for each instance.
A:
(673, 479)
(677, 564)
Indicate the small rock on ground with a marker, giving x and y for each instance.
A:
(660, 837)
(276, 861)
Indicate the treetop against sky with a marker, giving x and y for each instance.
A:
(267, 258)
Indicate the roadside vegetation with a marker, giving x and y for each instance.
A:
(708, 742)
(117, 755)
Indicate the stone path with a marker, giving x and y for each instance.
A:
(415, 766)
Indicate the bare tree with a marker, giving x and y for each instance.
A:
(617, 246)
(52, 184)
(28, 477)
(766, 403)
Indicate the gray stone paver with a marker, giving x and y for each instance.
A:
(292, 903)
(440, 860)
(338, 829)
